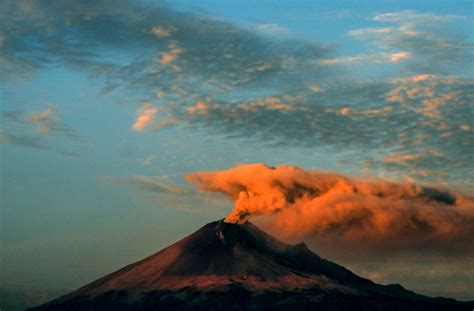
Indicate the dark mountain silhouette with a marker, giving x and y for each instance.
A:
(225, 266)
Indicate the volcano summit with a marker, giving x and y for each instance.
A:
(225, 266)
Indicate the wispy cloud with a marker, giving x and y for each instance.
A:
(49, 122)
(207, 73)
(33, 142)
(171, 55)
(272, 28)
(161, 32)
(148, 160)
(34, 129)
(365, 59)
(412, 16)
(437, 271)
(433, 44)
(146, 114)
(159, 191)
(148, 120)
(151, 183)
(46, 122)
(25, 141)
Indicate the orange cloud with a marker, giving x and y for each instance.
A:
(396, 57)
(200, 108)
(299, 203)
(146, 114)
(171, 55)
(45, 120)
(379, 57)
(160, 32)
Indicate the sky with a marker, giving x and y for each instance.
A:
(107, 106)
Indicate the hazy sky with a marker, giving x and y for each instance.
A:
(106, 105)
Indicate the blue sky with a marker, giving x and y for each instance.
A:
(106, 105)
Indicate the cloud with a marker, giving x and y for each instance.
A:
(412, 16)
(146, 114)
(195, 44)
(25, 141)
(372, 119)
(465, 127)
(148, 160)
(33, 129)
(171, 54)
(272, 28)
(396, 57)
(161, 32)
(234, 71)
(378, 58)
(368, 32)
(147, 118)
(404, 158)
(422, 275)
(373, 212)
(49, 122)
(46, 122)
(160, 192)
(434, 46)
(151, 183)
(33, 142)
(267, 103)
(431, 96)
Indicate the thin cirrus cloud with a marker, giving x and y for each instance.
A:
(148, 119)
(34, 129)
(272, 28)
(412, 16)
(163, 194)
(49, 122)
(24, 141)
(379, 58)
(151, 183)
(148, 160)
(46, 122)
(435, 47)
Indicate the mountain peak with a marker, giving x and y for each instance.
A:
(237, 266)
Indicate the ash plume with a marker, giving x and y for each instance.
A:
(298, 203)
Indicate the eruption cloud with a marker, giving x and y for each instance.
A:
(298, 203)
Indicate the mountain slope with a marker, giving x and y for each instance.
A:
(233, 267)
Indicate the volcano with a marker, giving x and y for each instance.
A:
(225, 266)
